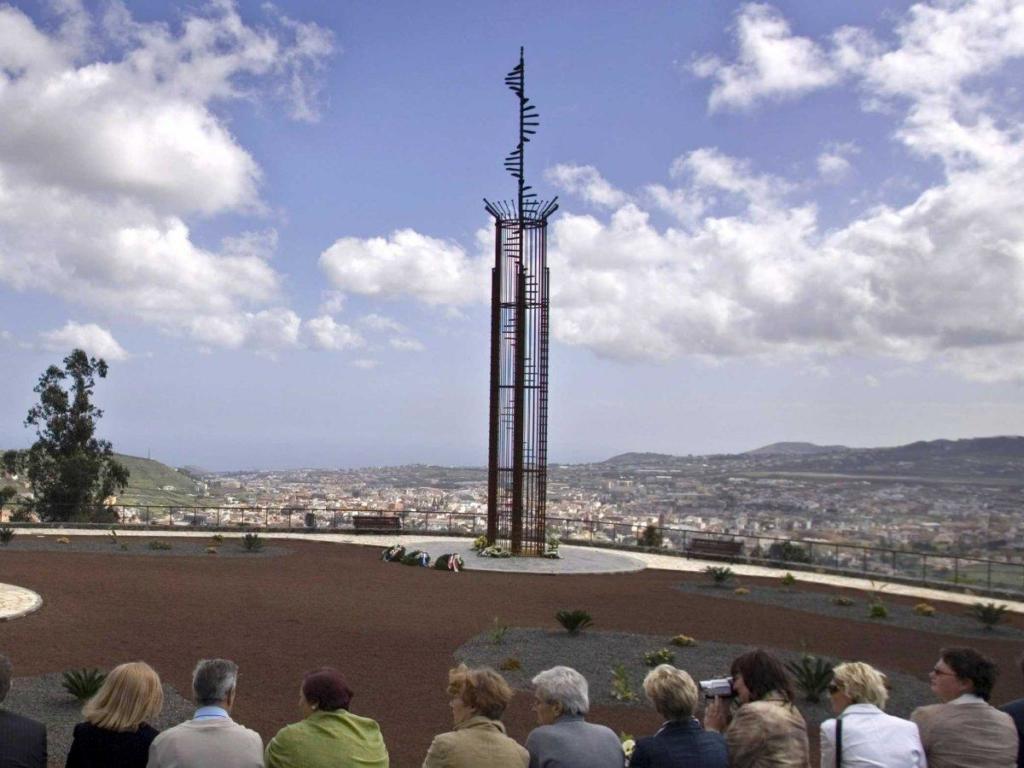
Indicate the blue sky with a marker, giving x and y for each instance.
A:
(782, 221)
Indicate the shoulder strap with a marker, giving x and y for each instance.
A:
(839, 742)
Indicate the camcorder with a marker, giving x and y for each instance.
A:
(719, 687)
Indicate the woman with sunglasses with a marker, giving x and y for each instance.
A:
(862, 735)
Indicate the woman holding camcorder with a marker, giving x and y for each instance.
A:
(762, 727)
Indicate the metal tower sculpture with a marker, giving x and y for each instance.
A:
(518, 446)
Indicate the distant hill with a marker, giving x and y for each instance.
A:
(794, 449)
(151, 482)
(640, 459)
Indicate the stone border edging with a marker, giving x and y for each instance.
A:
(25, 602)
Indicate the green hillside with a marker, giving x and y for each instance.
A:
(149, 479)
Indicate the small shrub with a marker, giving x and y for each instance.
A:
(720, 575)
(6, 534)
(159, 546)
(211, 550)
(217, 538)
(510, 664)
(741, 591)
(924, 609)
(812, 675)
(551, 545)
(877, 610)
(498, 631)
(479, 543)
(683, 641)
(621, 689)
(575, 621)
(112, 536)
(660, 656)
(788, 580)
(252, 542)
(123, 547)
(82, 683)
(843, 601)
(650, 537)
(988, 614)
(63, 540)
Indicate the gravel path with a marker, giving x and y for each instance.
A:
(944, 621)
(594, 654)
(136, 545)
(42, 698)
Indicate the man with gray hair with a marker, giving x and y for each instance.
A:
(211, 738)
(564, 739)
(22, 740)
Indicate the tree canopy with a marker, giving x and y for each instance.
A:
(71, 471)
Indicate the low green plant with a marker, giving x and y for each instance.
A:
(812, 675)
(788, 580)
(498, 631)
(621, 688)
(217, 538)
(479, 543)
(683, 641)
(720, 575)
(877, 610)
(63, 540)
(510, 664)
(988, 614)
(741, 591)
(123, 546)
(660, 656)
(82, 683)
(651, 536)
(843, 601)
(252, 542)
(6, 534)
(924, 609)
(112, 535)
(159, 546)
(574, 621)
(211, 550)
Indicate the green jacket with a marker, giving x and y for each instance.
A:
(336, 739)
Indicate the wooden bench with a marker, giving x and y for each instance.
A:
(726, 549)
(377, 522)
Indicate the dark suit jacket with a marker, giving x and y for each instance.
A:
(95, 747)
(681, 743)
(22, 742)
(1015, 709)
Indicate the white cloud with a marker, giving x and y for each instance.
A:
(406, 344)
(584, 181)
(90, 337)
(332, 302)
(771, 62)
(325, 333)
(365, 364)
(377, 322)
(833, 163)
(435, 271)
(109, 144)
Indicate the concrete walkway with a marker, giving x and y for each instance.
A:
(17, 601)
(660, 562)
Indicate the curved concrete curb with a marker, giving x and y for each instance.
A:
(16, 602)
(574, 560)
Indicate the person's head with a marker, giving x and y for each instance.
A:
(560, 691)
(857, 683)
(6, 672)
(757, 673)
(479, 691)
(131, 695)
(325, 690)
(962, 670)
(214, 682)
(672, 692)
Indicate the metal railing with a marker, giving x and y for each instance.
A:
(947, 570)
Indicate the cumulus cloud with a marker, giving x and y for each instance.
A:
(325, 333)
(406, 344)
(377, 322)
(585, 182)
(437, 272)
(104, 159)
(833, 163)
(90, 337)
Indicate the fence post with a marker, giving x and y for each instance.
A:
(864, 560)
(990, 574)
(924, 568)
(835, 558)
(956, 570)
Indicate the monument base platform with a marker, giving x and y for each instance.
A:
(573, 560)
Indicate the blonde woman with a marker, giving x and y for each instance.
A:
(869, 737)
(116, 730)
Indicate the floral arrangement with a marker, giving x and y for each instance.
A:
(393, 554)
(479, 543)
(628, 745)
(551, 548)
(449, 562)
(416, 557)
(494, 550)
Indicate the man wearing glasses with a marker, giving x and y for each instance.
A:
(965, 731)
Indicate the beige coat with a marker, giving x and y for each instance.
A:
(478, 741)
(201, 743)
(967, 734)
(767, 734)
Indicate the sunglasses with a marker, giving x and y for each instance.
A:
(937, 671)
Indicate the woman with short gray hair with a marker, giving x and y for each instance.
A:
(564, 738)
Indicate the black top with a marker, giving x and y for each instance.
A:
(22, 742)
(95, 747)
(681, 743)
(1015, 709)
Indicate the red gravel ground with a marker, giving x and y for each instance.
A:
(390, 629)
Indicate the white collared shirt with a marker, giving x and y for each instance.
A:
(968, 698)
(872, 739)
